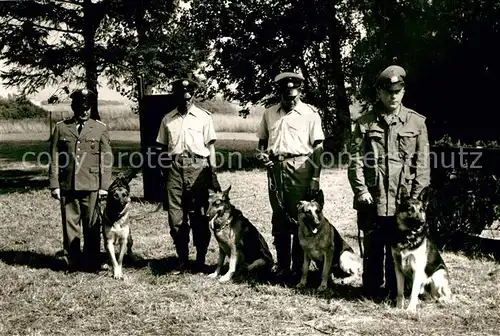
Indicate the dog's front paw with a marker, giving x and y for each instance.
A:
(118, 274)
(225, 278)
(411, 309)
(213, 275)
(400, 302)
(322, 287)
(301, 284)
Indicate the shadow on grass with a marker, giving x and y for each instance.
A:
(31, 259)
(334, 290)
(20, 181)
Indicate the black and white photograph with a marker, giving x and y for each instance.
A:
(258, 167)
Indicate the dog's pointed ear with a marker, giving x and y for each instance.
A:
(424, 195)
(320, 198)
(403, 192)
(225, 193)
(300, 205)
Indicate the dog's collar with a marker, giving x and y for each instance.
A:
(406, 240)
(120, 214)
(227, 222)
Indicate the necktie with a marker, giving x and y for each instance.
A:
(80, 127)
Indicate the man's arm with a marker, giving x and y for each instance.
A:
(355, 168)
(210, 137)
(106, 160)
(422, 162)
(316, 138)
(54, 160)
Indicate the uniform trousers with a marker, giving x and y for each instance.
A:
(378, 263)
(187, 199)
(290, 180)
(79, 207)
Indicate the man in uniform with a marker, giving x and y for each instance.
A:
(390, 148)
(187, 135)
(80, 172)
(290, 144)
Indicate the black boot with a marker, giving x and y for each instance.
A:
(283, 255)
(199, 265)
(297, 258)
(183, 255)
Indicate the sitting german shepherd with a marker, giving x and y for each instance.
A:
(237, 237)
(322, 243)
(115, 221)
(416, 257)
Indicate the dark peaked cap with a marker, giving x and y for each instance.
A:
(392, 78)
(184, 84)
(288, 80)
(82, 94)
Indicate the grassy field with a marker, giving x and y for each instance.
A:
(37, 298)
(121, 117)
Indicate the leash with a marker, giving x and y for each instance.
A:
(140, 216)
(359, 243)
(144, 214)
(273, 186)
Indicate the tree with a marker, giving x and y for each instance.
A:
(446, 48)
(77, 41)
(255, 40)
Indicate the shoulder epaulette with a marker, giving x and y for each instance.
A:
(206, 111)
(61, 121)
(100, 122)
(416, 113)
(313, 108)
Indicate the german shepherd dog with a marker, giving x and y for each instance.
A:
(322, 243)
(237, 238)
(416, 257)
(115, 221)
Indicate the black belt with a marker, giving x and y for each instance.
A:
(187, 156)
(281, 157)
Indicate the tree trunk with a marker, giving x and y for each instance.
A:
(89, 29)
(342, 101)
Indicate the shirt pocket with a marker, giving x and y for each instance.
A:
(376, 146)
(298, 131)
(173, 134)
(94, 170)
(92, 145)
(407, 143)
(195, 135)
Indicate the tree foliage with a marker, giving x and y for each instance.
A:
(448, 49)
(253, 41)
(77, 41)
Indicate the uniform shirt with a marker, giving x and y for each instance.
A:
(291, 133)
(191, 133)
(80, 161)
(387, 153)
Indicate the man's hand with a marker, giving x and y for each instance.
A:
(313, 187)
(215, 181)
(365, 198)
(102, 193)
(56, 193)
(263, 158)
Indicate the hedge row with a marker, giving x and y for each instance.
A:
(19, 107)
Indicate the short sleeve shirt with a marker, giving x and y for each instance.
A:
(292, 133)
(191, 133)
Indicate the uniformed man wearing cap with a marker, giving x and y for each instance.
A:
(390, 148)
(290, 135)
(187, 134)
(80, 172)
